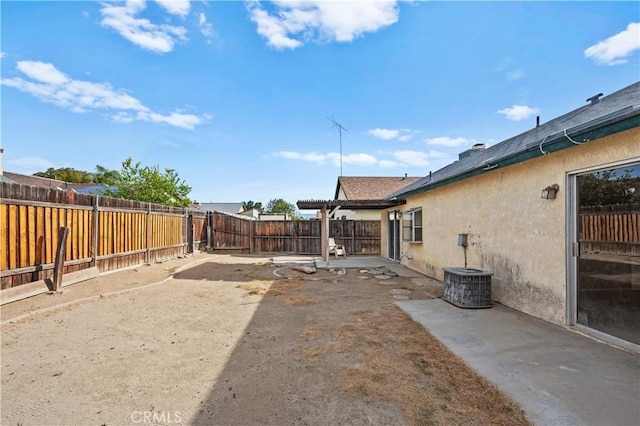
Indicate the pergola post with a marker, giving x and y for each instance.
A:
(324, 234)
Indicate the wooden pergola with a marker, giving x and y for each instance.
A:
(329, 207)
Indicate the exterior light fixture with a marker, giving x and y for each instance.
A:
(549, 193)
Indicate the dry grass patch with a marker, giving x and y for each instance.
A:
(279, 288)
(400, 361)
(310, 333)
(256, 287)
(297, 301)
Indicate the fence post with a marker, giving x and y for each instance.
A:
(295, 237)
(96, 228)
(213, 230)
(353, 236)
(208, 219)
(148, 253)
(58, 268)
(252, 244)
(185, 238)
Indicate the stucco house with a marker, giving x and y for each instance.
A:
(552, 213)
(231, 208)
(364, 188)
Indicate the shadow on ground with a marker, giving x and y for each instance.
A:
(334, 349)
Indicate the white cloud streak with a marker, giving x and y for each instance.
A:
(30, 164)
(402, 158)
(403, 135)
(176, 7)
(158, 38)
(518, 112)
(49, 85)
(448, 142)
(616, 49)
(205, 27)
(412, 158)
(384, 134)
(294, 23)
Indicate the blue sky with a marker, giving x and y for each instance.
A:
(235, 95)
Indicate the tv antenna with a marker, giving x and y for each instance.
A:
(340, 129)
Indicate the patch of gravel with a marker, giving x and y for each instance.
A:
(382, 277)
(400, 291)
(400, 297)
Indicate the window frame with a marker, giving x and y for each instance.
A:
(412, 231)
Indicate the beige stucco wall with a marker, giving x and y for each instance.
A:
(358, 214)
(513, 233)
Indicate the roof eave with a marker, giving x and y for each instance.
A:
(586, 132)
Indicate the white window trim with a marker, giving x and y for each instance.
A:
(413, 226)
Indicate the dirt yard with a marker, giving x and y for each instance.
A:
(235, 340)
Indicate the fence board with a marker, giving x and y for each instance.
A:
(610, 229)
(4, 237)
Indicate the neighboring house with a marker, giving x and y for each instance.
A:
(529, 208)
(274, 216)
(364, 188)
(42, 182)
(252, 213)
(232, 208)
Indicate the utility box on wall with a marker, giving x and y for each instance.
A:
(467, 288)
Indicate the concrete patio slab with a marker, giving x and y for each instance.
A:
(366, 262)
(557, 376)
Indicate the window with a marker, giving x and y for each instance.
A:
(412, 225)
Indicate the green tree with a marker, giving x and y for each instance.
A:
(66, 174)
(149, 184)
(105, 176)
(278, 205)
(251, 205)
(606, 188)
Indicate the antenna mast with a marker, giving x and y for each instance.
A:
(340, 129)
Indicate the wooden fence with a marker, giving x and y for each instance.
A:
(613, 229)
(111, 233)
(294, 237)
(104, 232)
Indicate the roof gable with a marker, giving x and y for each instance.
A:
(371, 187)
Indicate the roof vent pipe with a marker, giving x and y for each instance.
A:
(594, 99)
(537, 121)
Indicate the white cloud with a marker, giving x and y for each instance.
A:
(616, 49)
(2, 55)
(403, 135)
(333, 157)
(448, 141)
(205, 27)
(384, 134)
(176, 7)
(141, 32)
(519, 112)
(412, 158)
(294, 23)
(43, 72)
(52, 86)
(312, 157)
(357, 159)
(30, 164)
